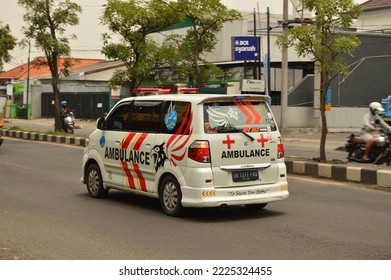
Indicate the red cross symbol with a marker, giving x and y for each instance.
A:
(262, 140)
(228, 142)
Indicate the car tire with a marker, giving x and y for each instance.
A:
(70, 130)
(388, 157)
(170, 196)
(94, 182)
(355, 154)
(258, 206)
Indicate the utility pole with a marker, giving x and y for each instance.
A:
(268, 53)
(284, 72)
(28, 81)
(256, 70)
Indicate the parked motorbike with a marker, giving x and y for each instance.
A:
(69, 122)
(379, 154)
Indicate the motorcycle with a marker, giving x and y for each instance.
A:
(379, 154)
(69, 122)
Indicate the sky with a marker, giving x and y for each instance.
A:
(88, 32)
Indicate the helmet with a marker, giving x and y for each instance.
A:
(63, 103)
(376, 108)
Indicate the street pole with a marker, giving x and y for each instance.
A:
(28, 81)
(284, 72)
(268, 53)
(256, 63)
(317, 85)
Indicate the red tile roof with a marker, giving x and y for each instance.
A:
(376, 4)
(20, 72)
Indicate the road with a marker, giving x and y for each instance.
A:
(46, 213)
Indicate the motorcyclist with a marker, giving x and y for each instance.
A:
(370, 131)
(64, 111)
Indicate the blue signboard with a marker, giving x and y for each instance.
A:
(245, 48)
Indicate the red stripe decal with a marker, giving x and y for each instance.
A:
(258, 117)
(140, 176)
(129, 176)
(127, 140)
(246, 112)
(186, 121)
(140, 140)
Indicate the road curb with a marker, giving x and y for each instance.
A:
(340, 172)
(62, 139)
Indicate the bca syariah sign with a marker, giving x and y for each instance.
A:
(245, 48)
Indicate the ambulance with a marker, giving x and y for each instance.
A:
(189, 150)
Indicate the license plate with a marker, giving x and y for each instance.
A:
(245, 175)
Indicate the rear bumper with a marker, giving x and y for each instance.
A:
(212, 197)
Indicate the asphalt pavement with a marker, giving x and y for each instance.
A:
(302, 148)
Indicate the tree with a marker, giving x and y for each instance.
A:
(7, 44)
(322, 41)
(130, 23)
(46, 25)
(207, 18)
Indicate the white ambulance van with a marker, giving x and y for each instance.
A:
(189, 150)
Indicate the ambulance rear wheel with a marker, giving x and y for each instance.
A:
(170, 196)
(94, 182)
(258, 206)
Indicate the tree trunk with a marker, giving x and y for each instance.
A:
(56, 95)
(325, 81)
(198, 74)
(324, 130)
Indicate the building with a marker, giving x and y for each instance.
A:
(376, 17)
(28, 82)
(88, 91)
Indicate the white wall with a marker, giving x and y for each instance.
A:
(338, 118)
(3, 100)
(374, 20)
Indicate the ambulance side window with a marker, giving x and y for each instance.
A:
(145, 116)
(177, 118)
(119, 119)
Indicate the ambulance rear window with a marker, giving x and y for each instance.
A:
(239, 115)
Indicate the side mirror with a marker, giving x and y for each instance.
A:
(101, 124)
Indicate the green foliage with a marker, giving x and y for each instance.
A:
(7, 44)
(207, 18)
(46, 22)
(325, 44)
(130, 23)
(321, 40)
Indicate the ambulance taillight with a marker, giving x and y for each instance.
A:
(280, 148)
(199, 151)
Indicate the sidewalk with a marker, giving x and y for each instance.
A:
(301, 150)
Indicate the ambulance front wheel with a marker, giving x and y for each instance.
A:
(170, 196)
(94, 182)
